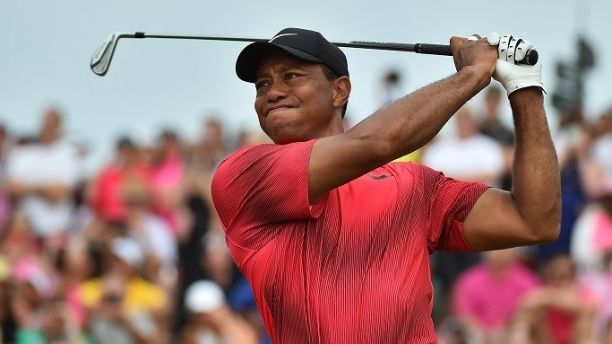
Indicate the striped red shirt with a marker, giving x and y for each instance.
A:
(354, 267)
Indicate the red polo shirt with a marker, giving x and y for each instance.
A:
(354, 267)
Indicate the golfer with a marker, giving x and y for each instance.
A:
(332, 235)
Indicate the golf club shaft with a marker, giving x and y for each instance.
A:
(422, 48)
(101, 60)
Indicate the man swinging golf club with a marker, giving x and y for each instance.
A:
(332, 235)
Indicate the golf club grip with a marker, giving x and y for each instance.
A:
(433, 49)
(531, 57)
(422, 48)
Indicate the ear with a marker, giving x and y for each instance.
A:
(341, 91)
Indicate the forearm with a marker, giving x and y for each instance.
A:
(410, 122)
(536, 179)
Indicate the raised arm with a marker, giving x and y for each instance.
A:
(531, 213)
(403, 126)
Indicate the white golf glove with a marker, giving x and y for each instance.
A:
(508, 72)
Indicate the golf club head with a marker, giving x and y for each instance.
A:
(100, 61)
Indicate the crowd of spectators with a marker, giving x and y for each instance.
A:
(131, 254)
(135, 252)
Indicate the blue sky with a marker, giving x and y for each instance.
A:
(46, 47)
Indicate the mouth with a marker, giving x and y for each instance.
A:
(276, 108)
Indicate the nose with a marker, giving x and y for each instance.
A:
(277, 91)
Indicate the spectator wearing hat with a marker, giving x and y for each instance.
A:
(211, 321)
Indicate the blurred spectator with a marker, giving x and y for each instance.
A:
(211, 321)
(41, 178)
(493, 127)
(469, 156)
(168, 180)
(591, 245)
(216, 260)
(75, 266)
(560, 311)
(154, 236)
(487, 295)
(594, 155)
(589, 233)
(56, 326)
(126, 171)
(8, 324)
(5, 146)
(592, 234)
(34, 285)
(210, 149)
(573, 198)
(391, 87)
(122, 306)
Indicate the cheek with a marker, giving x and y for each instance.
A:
(257, 105)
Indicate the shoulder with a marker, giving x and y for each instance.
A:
(409, 167)
(257, 159)
(244, 156)
(239, 161)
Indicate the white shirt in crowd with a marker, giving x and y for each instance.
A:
(37, 165)
(467, 158)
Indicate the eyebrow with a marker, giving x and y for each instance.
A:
(284, 68)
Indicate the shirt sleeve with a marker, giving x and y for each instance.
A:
(449, 201)
(262, 185)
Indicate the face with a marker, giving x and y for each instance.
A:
(466, 127)
(295, 100)
(51, 125)
(559, 272)
(492, 101)
(500, 258)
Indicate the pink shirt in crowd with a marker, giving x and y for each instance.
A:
(489, 299)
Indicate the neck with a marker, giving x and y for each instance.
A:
(334, 128)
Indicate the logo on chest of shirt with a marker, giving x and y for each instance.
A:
(382, 176)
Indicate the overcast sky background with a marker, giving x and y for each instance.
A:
(47, 45)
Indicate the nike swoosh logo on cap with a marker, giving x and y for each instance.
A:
(282, 35)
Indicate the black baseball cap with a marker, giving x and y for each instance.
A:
(304, 44)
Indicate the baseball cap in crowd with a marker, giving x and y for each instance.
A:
(203, 297)
(304, 44)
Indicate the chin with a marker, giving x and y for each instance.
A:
(282, 138)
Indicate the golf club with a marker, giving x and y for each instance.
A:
(100, 62)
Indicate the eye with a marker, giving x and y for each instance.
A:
(291, 75)
(261, 83)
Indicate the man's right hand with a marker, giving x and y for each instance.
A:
(474, 52)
